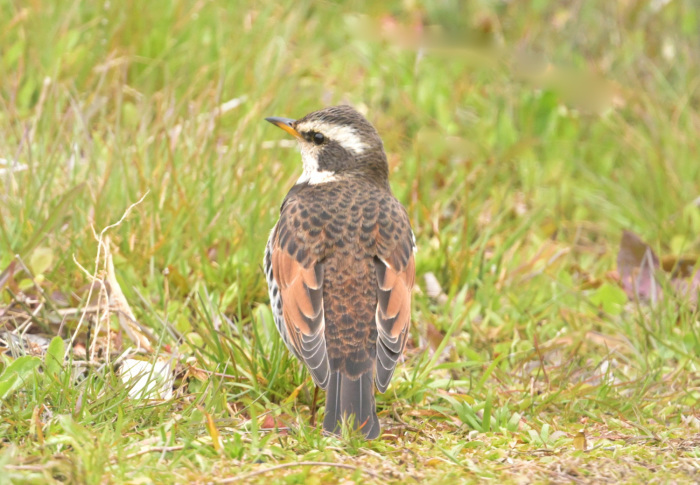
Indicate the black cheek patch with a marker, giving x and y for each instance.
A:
(333, 157)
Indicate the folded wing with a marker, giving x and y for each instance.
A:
(301, 292)
(396, 270)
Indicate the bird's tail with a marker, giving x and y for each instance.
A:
(347, 397)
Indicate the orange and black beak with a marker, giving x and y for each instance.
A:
(286, 124)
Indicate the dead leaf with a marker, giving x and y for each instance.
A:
(276, 423)
(580, 442)
(637, 265)
(639, 269)
(118, 302)
(434, 336)
(679, 267)
(292, 397)
(41, 260)
(36, 426)
(213, 431)
(688, 289)
(433, 288)
(424, 413)
(194, 371)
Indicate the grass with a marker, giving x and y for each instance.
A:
(523, 141)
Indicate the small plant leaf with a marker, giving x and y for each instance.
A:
(53, 361)
(16, 374)
(610, 298)
(41, 260)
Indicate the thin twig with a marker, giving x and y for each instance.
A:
(152, 449)
(97, 264)
(312, 422)
(404, 424)
(30, 468)
(219, 374)
(246, 476)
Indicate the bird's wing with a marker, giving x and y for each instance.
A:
(299, 280)
(396, 271)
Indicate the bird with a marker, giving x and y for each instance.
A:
(340, 266)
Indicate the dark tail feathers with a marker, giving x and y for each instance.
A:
(346, 397)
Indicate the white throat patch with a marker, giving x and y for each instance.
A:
(315, 178)
(312, 175)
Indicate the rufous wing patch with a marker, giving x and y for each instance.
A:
(302, 309)
(393, 315)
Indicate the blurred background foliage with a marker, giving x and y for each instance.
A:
(484, 106)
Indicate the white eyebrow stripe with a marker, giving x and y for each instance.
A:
(346, 136)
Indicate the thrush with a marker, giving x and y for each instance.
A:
(339, 265)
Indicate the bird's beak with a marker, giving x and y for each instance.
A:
(286, 125)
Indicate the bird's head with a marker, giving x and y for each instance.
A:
(337, 142)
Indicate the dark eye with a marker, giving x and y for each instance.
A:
(319, 138)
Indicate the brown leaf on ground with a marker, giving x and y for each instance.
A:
(580, 442)
(424, 413)
(637, 265)
(213, 431)
(433, 335)
(688, 288)
(639, 269)
(119, 303)
(197, 373)
(678, 266)
(280, 423)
